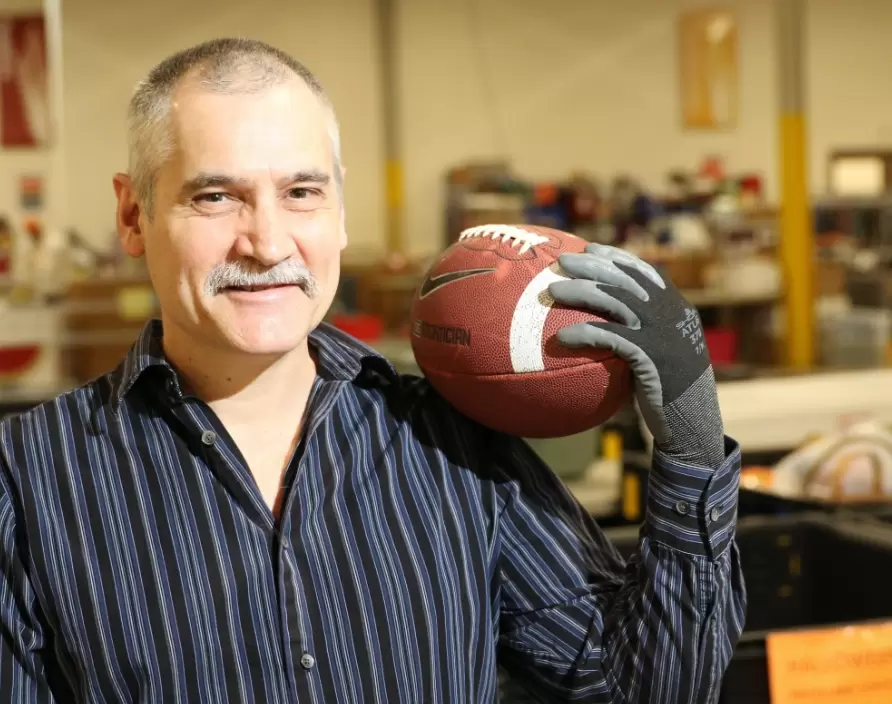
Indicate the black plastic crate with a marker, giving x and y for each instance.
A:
(881, 513)
(801, 571)
(759, 503)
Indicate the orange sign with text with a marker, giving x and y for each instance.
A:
(848, 665)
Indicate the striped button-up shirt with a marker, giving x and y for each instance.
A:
(415, 554)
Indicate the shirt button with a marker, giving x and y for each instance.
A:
(714, 515)
(307, 661)
(209, 437)
(682, 507)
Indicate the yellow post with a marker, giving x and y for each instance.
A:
(388, 35)
(796, 236)
(394, 195)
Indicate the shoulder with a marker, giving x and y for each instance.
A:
(406, 399)
(38, 434)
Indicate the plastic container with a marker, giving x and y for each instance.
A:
(856, 339)
(722, 345)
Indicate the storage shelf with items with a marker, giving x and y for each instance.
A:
(102, 319)
(854, 282)
(709, 232)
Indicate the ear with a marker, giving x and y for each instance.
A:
(129, 230)
(343, 233)
(343, 229)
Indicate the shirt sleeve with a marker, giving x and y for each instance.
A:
(578, 624)
(22, 676)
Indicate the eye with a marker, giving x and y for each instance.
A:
(215, 197)
(304, 199)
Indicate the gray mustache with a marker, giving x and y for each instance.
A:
(287, 273)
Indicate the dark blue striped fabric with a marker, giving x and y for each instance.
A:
(415, 555)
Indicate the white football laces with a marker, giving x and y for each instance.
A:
(512, 235)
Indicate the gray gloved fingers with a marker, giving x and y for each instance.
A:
(585, 294)
(586, 266)
(613, 337)
(604, 336)
(621, 256)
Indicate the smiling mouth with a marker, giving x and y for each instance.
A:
(255, 289)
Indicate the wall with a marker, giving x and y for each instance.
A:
(850, 86)
(553, 86)
(109, 46)
(593, 84)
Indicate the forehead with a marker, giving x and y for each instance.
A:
(281, 128)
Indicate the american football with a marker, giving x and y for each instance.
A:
(483, 334)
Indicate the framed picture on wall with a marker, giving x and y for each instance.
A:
(24, 88)
(708, 64)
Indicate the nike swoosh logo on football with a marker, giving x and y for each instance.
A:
(432, 283)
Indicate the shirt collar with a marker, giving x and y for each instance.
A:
(345, 358)
(340, 356)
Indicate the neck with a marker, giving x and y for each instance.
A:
(243, 388)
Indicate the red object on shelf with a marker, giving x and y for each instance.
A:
(545, 194)
(722, 344)
(367, 328)
(751, 184)
(15, 361)
(712, 167)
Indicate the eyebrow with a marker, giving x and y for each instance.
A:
(216, 180)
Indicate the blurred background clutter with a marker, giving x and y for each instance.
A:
(744, 149)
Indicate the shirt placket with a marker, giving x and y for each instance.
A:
(297, 639)
(224, 462)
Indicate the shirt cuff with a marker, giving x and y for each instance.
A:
(693, 509)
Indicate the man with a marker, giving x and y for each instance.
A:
(255, 507)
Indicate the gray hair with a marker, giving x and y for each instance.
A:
(228, 66)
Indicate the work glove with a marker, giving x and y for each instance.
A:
(659, 334)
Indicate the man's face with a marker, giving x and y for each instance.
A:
(249, 197)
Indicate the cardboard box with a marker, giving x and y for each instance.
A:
(871, 289)
(830, 279)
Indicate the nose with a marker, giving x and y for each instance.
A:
(266, 238)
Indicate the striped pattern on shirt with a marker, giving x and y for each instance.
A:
(416, 553)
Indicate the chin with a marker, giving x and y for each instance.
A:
(278, 346)
(270, 324)
(269, 335)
